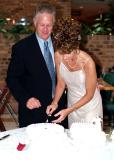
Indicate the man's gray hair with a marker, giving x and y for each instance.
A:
(45, 7)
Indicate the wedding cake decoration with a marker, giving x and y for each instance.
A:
(110, 136)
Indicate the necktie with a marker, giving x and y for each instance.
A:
(50, 65)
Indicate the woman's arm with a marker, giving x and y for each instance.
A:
(59, 87)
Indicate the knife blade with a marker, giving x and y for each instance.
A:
(4, 137)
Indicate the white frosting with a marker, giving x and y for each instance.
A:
(44, 130)
(50, 138)
(56, 145)
(89, 134)
(112, 135)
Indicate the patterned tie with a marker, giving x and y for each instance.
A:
(50, 65)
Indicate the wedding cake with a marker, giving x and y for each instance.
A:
(46, 139)
(88, 133)
(44, 130)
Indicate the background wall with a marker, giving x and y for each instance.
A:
(16, 9)
(101, 47)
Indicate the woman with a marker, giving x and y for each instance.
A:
(76, 71)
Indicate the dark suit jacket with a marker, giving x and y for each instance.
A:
(27, 77)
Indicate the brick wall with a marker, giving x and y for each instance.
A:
(102, 49)
(16, 9)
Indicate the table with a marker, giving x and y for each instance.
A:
(104, 85)
(9, 152)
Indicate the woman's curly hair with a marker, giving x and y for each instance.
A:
(66, 35)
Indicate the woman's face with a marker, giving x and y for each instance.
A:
(44, 25)
(68, 57)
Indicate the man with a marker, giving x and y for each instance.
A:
(28, 77)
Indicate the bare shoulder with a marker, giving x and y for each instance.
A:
(85, 56)
(58, 57)
(86, 60)
(57, 54)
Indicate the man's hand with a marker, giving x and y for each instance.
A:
(33, 103)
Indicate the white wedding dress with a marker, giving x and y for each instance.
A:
(75, 81)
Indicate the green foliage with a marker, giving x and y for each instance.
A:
(20, 29)
(86, 29)
(14, 31)
(3, 22)
(102, 25)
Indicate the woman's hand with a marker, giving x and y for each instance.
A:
(51, 108)
(62, 115)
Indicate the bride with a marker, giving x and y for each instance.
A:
(75, 70)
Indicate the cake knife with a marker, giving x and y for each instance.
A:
(4, 137)
(48, 118)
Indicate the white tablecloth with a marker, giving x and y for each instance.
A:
(8, 149)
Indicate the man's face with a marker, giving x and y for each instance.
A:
(44, 25)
